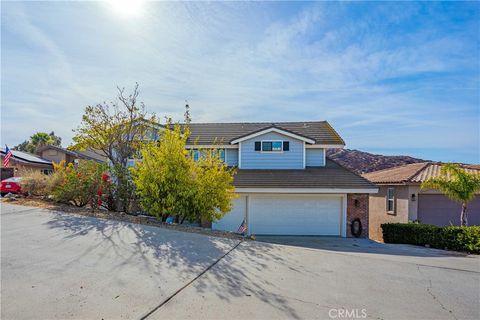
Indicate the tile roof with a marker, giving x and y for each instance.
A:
(27, 157)
(222, 133)
(412, 173)
(331, 176)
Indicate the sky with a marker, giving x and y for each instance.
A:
(395, 78)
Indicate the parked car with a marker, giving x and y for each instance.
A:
(11, 185)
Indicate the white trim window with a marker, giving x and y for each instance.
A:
(272, 146)
(196, 153)
(391, 200)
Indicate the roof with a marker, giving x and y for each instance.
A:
(413, 173)
(332, 176)
(87, 154)
(222, 133)
(26, 157)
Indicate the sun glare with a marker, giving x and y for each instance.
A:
(126, 8)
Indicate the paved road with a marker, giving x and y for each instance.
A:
(57, 266)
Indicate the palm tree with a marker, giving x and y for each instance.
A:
(457, 184)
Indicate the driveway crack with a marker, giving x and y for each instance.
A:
(148, 314)
(429, 290)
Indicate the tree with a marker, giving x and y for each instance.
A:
(170, 183)
(38, 140)
(116, 130)
(458, 185)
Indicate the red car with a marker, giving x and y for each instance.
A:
(10, 185)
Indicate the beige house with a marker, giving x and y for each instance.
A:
(23, 162)
(57, 154)
(400, 198)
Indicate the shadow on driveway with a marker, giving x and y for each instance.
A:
(357, 245)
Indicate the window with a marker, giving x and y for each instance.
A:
(266, 146)
(198, 153)
(46, 171)
(390, 200)
(272, 146)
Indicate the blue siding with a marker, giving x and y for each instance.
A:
(315, 158)
(232, 157)
(292, 159)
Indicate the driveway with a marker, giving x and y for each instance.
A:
(57, 266)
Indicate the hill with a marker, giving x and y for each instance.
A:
(363, 162)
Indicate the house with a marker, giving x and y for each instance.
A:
(57, 154)
(400, 198)
(23, 162)
(285, 182)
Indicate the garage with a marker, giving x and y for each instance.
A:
(295, 215)
(232, 220)
(439, 210)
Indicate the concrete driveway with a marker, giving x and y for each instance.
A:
(58, 266)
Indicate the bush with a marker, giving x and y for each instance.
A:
(35, 183)
(81, 185)
(452, 238)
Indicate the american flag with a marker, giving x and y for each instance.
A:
(243, 227)
(8, 155)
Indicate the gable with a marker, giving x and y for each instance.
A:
(276, 130)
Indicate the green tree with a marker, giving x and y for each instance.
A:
(170, 183)
(457, 184)
(38, 140)
(116, 130)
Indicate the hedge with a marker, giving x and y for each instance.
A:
(451, 238)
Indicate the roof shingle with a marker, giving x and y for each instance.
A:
(223, 133)
(412, 173)
(331, 176)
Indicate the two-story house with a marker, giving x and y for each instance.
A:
(285, 182)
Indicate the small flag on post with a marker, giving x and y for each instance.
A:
(8, 155)
(243, 227)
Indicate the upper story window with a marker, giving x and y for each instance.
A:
(272, 146)
(391, 200)
(197, 153)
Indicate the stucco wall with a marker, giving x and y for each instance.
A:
(378, 210)
(53, 155)
(22, 168)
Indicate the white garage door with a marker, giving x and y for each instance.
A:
(232, 220)
(295, 215)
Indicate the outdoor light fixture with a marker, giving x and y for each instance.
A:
(414, 197)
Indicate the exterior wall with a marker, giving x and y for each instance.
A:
(315, 157)
(292, 159)
(232, 157)
(358, 209)
(21, 169)
(53, 155)
(378, 209)
(413, 204)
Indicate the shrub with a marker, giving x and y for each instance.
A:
(81, 185)
(169, 182)
(35, 183)
(453, 238)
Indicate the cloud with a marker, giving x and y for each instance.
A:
(368, 68)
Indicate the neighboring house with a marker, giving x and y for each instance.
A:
(22, 162)
(57, 154)
(285, 183)
(401, 199)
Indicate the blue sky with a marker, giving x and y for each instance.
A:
(392, 78)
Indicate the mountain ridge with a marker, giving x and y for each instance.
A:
(362, 162)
